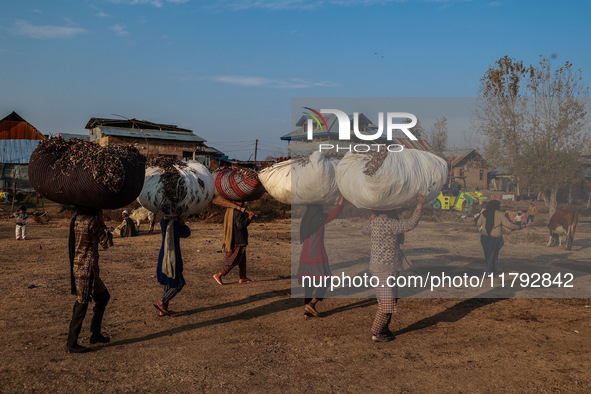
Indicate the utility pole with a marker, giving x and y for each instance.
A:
(13, 195)
(256, 146)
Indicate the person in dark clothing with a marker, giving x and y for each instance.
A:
(127, 226)
(491, 224)
(236, 222)
(313, 259)
(169, 270)
(87, 231)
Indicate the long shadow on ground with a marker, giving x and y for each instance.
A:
(450, 315)
(259, 311)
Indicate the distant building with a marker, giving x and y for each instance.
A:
(300, 145)
(470, 164)
(18, 140)
(502, 179)
(152, 139)
(69, 136)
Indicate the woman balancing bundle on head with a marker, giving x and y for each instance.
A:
(313, 260)
(176, 189)
(234, 186)
(386, 233)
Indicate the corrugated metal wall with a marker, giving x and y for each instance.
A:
(14, 130)
(17, 151)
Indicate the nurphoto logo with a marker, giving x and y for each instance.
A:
(343, 121)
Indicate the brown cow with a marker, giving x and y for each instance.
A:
(563, 222)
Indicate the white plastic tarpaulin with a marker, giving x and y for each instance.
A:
(302, 180)
(396, 183)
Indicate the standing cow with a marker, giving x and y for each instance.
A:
(563, 223)
(141, 213)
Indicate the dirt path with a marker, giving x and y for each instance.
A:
(252, 337)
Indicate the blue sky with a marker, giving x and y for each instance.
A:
(229, 69)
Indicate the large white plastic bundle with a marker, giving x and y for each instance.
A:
(302, 180)
(191, 192)
(368, 182)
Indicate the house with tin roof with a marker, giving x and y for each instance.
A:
(470, 164)
(18, 140)
(152, 139)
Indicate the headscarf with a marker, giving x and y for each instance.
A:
(228, 229)
(314, 218)
(489, 214)
(169, 257)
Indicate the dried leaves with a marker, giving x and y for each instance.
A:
(103, 163)
(376, 159)
(247, 173)
(174, 187)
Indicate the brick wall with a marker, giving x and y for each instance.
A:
(153, 147)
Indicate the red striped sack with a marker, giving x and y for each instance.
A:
(237, 184)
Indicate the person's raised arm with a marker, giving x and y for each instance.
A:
(335, 212)
(402, 226)
(242, 221)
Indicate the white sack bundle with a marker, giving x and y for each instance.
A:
(302, 180)
(390, 180)
(177, 188)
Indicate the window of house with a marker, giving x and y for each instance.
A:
(481, 175)
(203, 159)
(187, 155)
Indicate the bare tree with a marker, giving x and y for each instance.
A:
(438, 134)
(417, 130)
(501, 111)
(535, 121)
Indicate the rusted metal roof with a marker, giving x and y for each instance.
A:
(13, 127)
(133, 124)
(145, 133)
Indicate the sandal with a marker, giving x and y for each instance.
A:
(160, 307)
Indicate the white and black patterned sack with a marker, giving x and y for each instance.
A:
(183, 189)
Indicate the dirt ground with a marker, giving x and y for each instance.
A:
(253, 337)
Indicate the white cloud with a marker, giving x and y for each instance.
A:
(155, 3)
(27, 29)
(494, 4)
(120, 29)
(37, 11)
(289, 83)
(101, 14)
(295, 4)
